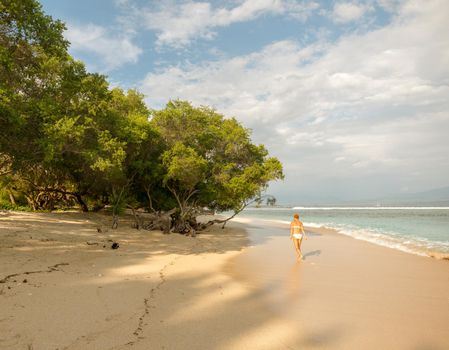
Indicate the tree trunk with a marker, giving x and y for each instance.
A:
(81, 202)
(114, 221)
(150, 200)
(11, 197)
(137, 223)
(31, 201)
(160, 221)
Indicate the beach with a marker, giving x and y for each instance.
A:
(348, 293)
(63, 287)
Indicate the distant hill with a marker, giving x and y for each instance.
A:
(435, 197)
(438, 197)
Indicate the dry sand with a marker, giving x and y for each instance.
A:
(210, 292)
(155, 291)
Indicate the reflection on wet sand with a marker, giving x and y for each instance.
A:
(346, 293)
(270, 266)
(292, 283)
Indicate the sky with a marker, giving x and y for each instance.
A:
(351, 96)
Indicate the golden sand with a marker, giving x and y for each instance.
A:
(63, 287)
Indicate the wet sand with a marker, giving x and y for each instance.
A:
(347, 293)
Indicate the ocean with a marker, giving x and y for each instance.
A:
(417, 230)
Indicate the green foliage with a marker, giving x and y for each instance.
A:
(8, 206)
(212, 156)
(66, 137)
(31, 49)
(184, 167)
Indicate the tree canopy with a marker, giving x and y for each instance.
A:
(209, 160)
(67, 138)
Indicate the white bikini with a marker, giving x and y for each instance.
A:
(297, 235)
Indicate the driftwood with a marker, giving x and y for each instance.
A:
(137, 222)
(171, 221)
(160, 221)
(183, 222)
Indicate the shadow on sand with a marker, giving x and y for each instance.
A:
(312, 253)
(174, 310)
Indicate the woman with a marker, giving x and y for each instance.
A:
(296, 234)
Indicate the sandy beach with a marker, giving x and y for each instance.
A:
(348, 293)
(63, 287)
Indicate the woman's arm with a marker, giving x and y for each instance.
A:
(303, 231)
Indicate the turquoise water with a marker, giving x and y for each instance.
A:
(423, 231)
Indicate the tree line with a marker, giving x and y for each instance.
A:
(67, 138)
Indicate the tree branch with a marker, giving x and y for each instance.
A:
(236, 212)
(177, 197)
(150, 200)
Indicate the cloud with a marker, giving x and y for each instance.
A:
(178, 23)
(110, 49)
(389, 5)
(345, 12)
(377, 102)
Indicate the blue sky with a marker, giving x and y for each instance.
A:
(352, 96)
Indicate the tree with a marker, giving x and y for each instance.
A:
(271, 201)
(210, 160)
(33, 53)
(185, 171)
(30, 44)
(58, 119)
(66, 137)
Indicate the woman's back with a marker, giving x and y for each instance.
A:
(296, 225)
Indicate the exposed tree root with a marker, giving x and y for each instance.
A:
(49, 270)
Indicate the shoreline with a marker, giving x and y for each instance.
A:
(386, 241)
(418, 251)
(236, 288)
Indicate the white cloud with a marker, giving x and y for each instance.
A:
(345, 12)
(110, 49)
(377, 102)
(178, 23)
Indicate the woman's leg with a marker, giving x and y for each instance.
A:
(297, 248)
